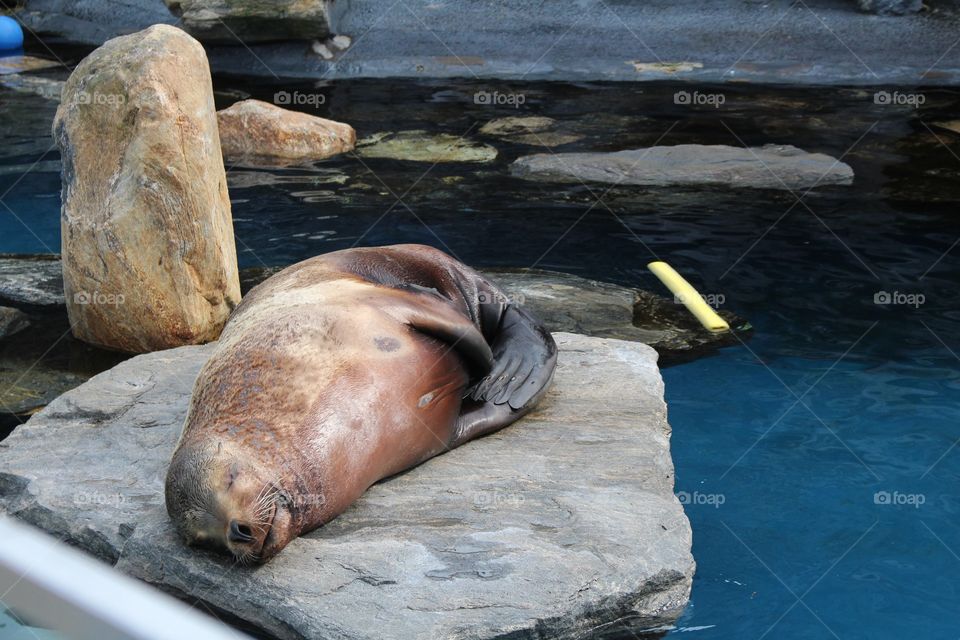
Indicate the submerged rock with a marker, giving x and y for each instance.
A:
(241, 21)
(18, 64)
(420, 146)
(949, 125)
(26, 385)
(49, 88)
(12, 321)
(148, 247)
(532, 130)
(559, 524)
(238, 179)
(517, 124)
(767, 167)
(258, 133)
(42, 361)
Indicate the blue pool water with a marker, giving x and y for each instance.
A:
(820, 460)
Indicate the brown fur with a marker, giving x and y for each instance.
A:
(320, 386)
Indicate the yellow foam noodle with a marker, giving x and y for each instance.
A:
(685, 293)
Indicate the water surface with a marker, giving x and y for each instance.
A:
(819, 460)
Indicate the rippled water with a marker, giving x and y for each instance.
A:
(819, 460)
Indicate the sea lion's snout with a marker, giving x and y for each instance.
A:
(240, 532)
(224, 502)
(246, 530)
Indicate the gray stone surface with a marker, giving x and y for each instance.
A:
(700, 41)
(91, 22)
(767, 167)
(552, 527)
(890, 7)
(31, 281)
(696, 41)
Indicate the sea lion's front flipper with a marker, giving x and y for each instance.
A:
(435, 316)
(525, 357)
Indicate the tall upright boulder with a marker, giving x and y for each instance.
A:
(149, 260)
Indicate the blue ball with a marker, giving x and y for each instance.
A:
(11, 35)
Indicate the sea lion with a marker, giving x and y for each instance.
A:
(340, 371)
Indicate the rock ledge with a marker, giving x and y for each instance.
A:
(559, 524)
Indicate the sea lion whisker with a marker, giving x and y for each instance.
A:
(267, 487)
(265, 508)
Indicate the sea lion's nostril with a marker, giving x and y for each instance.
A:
(240, 532)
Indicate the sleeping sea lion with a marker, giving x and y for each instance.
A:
(340, 371)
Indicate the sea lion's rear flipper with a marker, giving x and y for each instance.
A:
(525, 357)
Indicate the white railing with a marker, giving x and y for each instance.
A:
(57, 587)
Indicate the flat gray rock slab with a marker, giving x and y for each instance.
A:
(553, 527)
(31, 281)
(766, 167)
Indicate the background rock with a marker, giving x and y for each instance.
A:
(557, 525)
(91, 22)
(890, 7)
(148, 246)
(31, 282)
(256, 132)
(695, 41)
(241, 21)
(565, 302)
(767, 167)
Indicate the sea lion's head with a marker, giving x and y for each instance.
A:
(228, 500)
